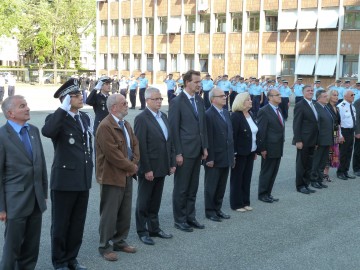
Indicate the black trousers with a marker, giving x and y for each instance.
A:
(214, 190)
(207, 100)
(133, 98)
(2, 91)
(68, 214)
(304, 158)
(240, 180)
(142, 97)
(346, 150)
(268, 173)
(232, 98)
(297, 99)
(170, 95)
(321, 156)
(356, 155)
(255, 105)
(186, 183)
(123, 92)
(148, 205)
(21, 241)
(284, 106)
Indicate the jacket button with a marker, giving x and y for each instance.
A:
(64, 166)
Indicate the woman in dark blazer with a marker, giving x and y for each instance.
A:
(245, 132)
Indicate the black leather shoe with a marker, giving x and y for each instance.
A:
(76, 266)
(147, 240)
(349, 175)
(266, 199)
(303, 190)
(161, 234)
(63, 268)
(214, 218)
(183, 227)
(310, 190)
(316, 185)
(273, 199)
(323, 185)
(195, 224)
(221, 214)
(342, 176)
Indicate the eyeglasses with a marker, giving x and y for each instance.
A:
(124, 103)
(352, 95)
(75, 96)
(275, 95)
(156, 99)
(221, 96)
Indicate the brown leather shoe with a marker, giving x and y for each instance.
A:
(110, 256)
(127, 249)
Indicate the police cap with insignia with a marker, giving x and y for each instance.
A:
(102, 80)
(300, 79)
(284, 81)
(338, 81)
(317, 81)
(347, 81)
(69, 87)
(358, 84)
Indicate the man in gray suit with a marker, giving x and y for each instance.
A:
(188, 127)
(272, 133)
(23, 186)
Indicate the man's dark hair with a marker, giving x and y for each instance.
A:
(318, 93)
(188, 76)
(306, 86)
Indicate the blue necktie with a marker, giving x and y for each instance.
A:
(129, 151)
(26, 141)
(193, 104)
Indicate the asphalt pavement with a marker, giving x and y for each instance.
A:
(317, 231)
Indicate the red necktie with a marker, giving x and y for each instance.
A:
(278, 115)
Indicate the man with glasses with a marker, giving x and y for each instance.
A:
(157, 161)
(71, 174)
(117, 155)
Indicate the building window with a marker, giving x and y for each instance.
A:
(189, 61)
(250, 57)
(126, 27)
(173, 62)
(137, 26)
(137, 61)
(162, 62)
(218, 56)
(114, 28)
(104, 62)
(204, 23)
(287, 64)
(220, 23)
(114, 61)
(126, 61)
(253, 21)
(190, 23)
(236, 22)
(352, 17)
(149, 62)
(204, 60)
(163, 25)
(149, 26)
(350, 66)
(104, 28)
(271, 19)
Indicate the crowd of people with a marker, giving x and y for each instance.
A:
(233, 124)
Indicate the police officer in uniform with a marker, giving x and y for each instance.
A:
(285, 92)
(98, 100)
(115, 85)
(171, 87)
(348, 121)
(297, 88)
(71, 133)
(207, 85)
(317, 87)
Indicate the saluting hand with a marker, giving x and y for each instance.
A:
(65, 104)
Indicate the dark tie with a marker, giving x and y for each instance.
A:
(129, 151)
(26, 141)
(279, 117)
(193, 104)
(352, 116)
(77, 118)
(222, 115)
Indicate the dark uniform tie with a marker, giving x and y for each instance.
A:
(193, 104)
(77, 118)
(352, 116)
(129, 151)
(26, 141)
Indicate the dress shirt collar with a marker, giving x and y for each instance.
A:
(158, 114)
(188, 95)
(18, 127)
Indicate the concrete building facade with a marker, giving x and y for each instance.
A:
(312, 39)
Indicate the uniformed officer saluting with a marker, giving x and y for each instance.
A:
(71, 173)
(98, 100)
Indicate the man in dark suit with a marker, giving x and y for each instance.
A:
(71, 174)
(188, 128)
(23, 186)
(356, 154)
(272, 136)
(325, 139)
(157, 160)
(220, 155)
(305, 128)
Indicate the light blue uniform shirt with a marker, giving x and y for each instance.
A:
(143, 82)
(170, 84)
(207, 85)
(224, 85)
(239, 87)
(340, 91)
(256, 90)
(133, 85)
(298, 90)
(285, 91)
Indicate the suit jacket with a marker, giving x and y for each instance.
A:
(242, 134)
(357, 116)
(98, 102)
(188, 129)
(326, 125)
(272, 132)
(157, 154)
(23, 181)
(72, 166)
(305, 125)
(220, 138)
(112, 162)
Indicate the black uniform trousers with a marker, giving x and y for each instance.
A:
(133, 98)
(142, 97)
(232, 98)
(148, 205)
(255, 105)
(2, 91)
(214, 190)
(21, 241)
(268, 173)
(170, 95)
(284, 107)
(240, 180)
(346, 149)
(207, 100)
(356, 155)
(68, 214)
(186, 183)
(321, 156)
(304, 158)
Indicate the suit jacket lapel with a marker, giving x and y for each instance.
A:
(14, 137)
(34, 142)
(188, 103)
(151, 117)
(273, 113)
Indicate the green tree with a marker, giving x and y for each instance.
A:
(10, 13)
